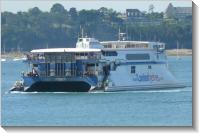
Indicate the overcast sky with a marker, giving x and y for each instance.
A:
(45, 5)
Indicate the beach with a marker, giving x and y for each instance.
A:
(180, 52)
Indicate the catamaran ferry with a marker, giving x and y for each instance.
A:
(110, 65)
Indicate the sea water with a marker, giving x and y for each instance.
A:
(125, 108)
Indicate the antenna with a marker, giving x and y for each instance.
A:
(127, 35)
(119, 34)
(155, 38)
(82, 32)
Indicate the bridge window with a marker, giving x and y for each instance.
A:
(132, 69)
(137, 56)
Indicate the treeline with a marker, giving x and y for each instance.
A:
(61, 28)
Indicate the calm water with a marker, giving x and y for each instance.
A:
(137, 108)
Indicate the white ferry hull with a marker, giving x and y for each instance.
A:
(144, 87)
(157, 77)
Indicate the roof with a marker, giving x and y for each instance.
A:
(132, 10)
(66, 50)
(187, 10)
(123, 42)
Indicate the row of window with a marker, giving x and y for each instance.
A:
(128, 45)
(134, 14)
(136, 46)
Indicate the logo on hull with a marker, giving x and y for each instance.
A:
(147, 77)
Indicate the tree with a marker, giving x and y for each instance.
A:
(58, 8)
(34, 11)
(73, 13)
(59, 28)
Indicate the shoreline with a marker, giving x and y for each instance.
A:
(12, 55)
(179, 52)
(169, 52)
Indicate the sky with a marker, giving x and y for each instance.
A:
(45, 5)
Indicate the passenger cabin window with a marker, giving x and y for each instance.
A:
(129, 45)
(138, 46)
(119, 46)
(132, 69)
(109, 53)
(145, 45)
(137, 56)
(108, 46)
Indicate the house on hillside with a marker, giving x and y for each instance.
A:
(179, 13)
(134, 14)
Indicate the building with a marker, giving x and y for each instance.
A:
(134, 14)
(178, 12)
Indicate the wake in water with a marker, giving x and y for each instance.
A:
(104, 92)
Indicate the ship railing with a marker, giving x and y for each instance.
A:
(64, 74)
(35, 61)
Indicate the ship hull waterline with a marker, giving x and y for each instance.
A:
(56, 86)
(145, 87)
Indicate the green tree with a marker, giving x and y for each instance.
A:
(73, 13)
(58, 8)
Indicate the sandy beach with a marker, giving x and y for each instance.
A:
(180, 52)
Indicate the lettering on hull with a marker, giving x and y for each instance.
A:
(147, 77)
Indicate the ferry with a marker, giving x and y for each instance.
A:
(120, 65)
(137, 65)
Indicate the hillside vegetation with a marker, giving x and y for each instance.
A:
(60, 28)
